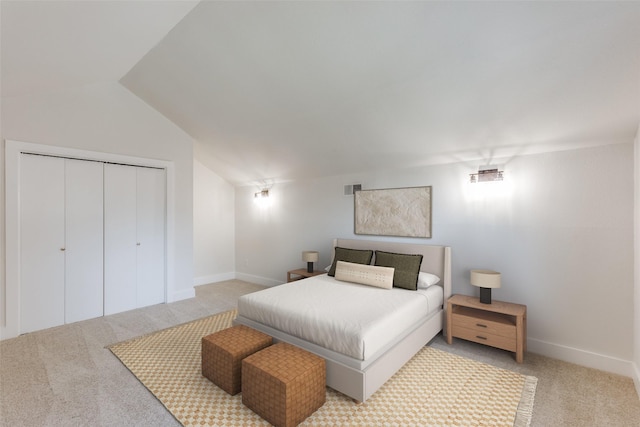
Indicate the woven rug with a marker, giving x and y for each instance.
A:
(435, 388)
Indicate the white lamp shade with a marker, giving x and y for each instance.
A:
(485, 278)
(310, 256)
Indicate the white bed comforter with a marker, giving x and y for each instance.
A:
(351, 319)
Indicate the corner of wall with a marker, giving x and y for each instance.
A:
(205, 280)
(181, 294)
(258, 280)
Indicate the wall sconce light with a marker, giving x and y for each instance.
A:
(310, 257)
(485, 280)
(487, 174)
(261, 194)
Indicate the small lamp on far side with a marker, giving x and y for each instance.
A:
(310, 257)
(485, 280)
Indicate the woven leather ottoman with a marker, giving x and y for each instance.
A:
(223, 351)
(283, 384)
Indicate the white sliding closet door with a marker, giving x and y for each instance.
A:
(42, 242)
(84, 243)
(150, 232)
(91, 240)
(120, 202)
(134, 233)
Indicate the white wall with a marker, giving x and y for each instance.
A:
(636, 328)
(108, 118)
(3, 232)
(560, 229)
(213, 226)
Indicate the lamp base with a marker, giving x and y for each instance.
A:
(485, 295)
(309, 267)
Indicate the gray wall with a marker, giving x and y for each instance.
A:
(559, 229)
(213, 227)
(636, 327)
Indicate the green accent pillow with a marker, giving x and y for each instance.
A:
(358, 256)
(407, 268)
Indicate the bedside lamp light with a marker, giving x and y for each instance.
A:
(310, 257)
(485, 280)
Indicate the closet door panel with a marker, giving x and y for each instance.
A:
(84, 240)
(42, 242)
(151, 236)
(119, 238)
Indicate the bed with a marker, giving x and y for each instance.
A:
(362, 349)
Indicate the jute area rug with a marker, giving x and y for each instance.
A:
(435, 388)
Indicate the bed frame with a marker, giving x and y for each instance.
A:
(359, 379)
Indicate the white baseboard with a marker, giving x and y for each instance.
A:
(636, 378)
(213, 278)
(7, 333)
(258, 280)
(583, 358)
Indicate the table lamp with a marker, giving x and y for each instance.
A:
(310, 257)
(485, 280)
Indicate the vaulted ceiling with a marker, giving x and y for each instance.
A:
(289, 90)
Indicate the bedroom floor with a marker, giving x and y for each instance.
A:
(65, 376)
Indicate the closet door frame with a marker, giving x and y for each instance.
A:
(10, 323)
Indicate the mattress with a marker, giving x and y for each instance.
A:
(348, 318)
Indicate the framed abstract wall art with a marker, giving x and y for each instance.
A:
(400, 212)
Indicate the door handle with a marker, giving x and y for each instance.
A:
(62, 249)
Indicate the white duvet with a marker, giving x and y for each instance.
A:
(351, 319)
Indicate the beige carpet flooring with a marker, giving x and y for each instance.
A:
(66, 376)
(435, 388)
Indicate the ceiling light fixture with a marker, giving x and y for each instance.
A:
(261, 194)
(487, 174)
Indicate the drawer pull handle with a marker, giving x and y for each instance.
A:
(481, 325)
(482, 338)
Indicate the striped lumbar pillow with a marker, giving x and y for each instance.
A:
(380, 277)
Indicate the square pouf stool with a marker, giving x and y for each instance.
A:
(223, 351)
(283, 384)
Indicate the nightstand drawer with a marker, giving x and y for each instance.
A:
(482, 337)
(484, 322)
(499, 324)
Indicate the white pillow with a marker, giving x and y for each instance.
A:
(371, 275)
(427, 279)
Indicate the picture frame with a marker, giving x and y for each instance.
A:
(398, 212)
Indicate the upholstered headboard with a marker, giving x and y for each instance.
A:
(435, 259)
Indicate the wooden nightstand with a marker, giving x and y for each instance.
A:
(302, 273)
(499, 324)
